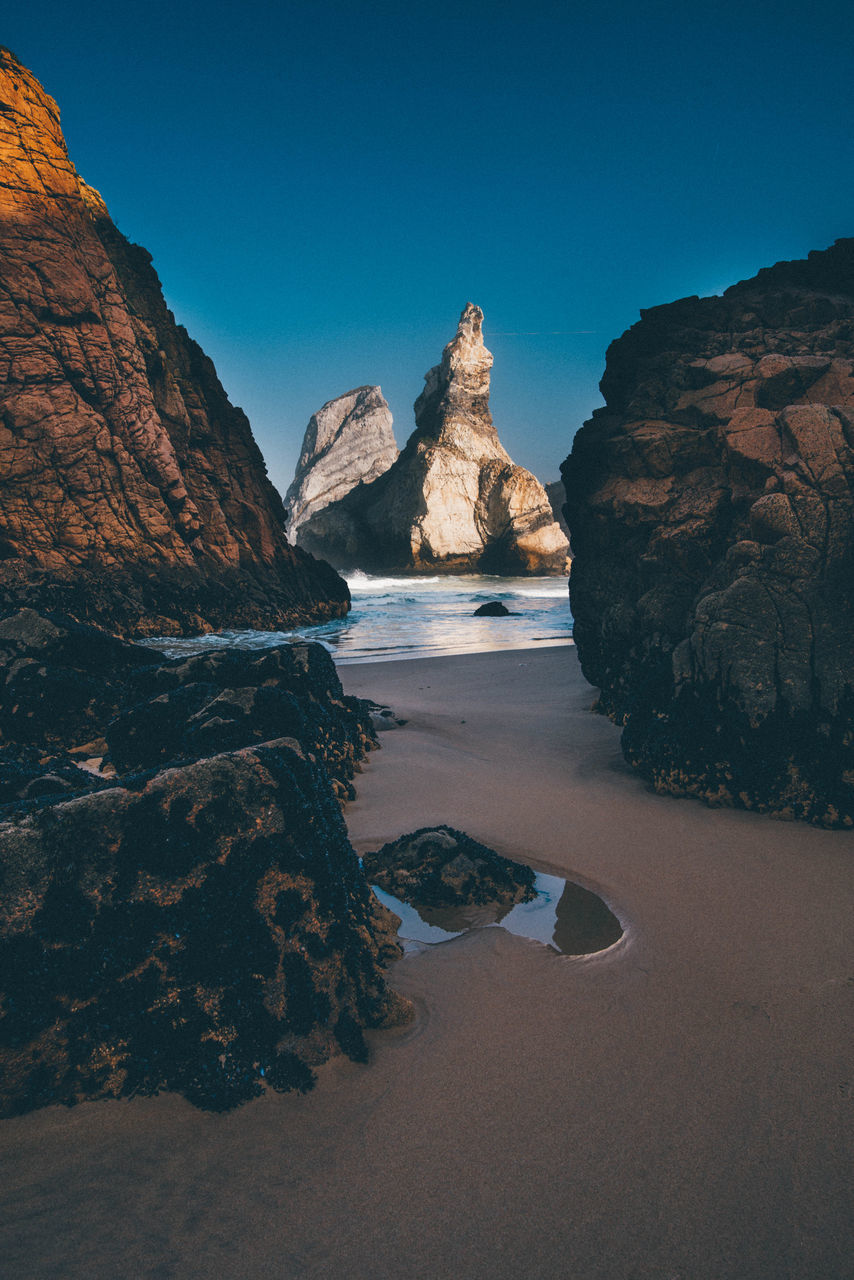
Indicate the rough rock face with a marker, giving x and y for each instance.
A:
(133, 492)
(453, 502)
(70, 693)
(180, 907)
(349, 441)
(557, 498)
(439, 867)
(711, 505)
(208, 933)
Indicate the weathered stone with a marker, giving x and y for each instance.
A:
(63, 684)
(349, 441)
(438, 866)
(27, 775)
(133, 493)
(453, 502)
(711, 504)
(232, 698)
(195, 924)
(209, 933)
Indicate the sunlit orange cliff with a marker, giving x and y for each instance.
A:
(133, 492)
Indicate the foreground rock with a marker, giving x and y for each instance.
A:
(349, 441)
(453, 502)
(70, 692)
(207, 933)
(133, 493)
(180, 905)
(712, 513)
(440, 867)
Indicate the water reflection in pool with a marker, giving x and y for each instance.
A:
(563, 916)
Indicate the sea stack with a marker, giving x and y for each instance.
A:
(133, 492)
(711, 504)
(349, 441)
(453, 502)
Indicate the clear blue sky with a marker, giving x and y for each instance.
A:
(324, 186)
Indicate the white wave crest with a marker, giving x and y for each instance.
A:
(359, 581)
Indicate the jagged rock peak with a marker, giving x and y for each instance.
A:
(711, 504)
(133, 492)
(453, 408)
(453, 502)
(349, 441)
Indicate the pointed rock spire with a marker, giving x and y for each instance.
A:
(453, 501)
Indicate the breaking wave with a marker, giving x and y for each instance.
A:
(409, 617)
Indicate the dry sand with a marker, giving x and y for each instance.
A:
(679, 1108)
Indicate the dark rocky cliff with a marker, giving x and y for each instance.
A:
(133, 492)
(180, 907)
(711, 505)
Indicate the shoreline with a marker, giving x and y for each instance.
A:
(562, 642)
(677, 1106)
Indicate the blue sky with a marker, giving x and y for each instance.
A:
(324, 186)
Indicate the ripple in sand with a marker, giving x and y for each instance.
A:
(564, 917)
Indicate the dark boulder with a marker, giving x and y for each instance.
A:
(209, 933)
(711, 504)
(438, 866)
(494, 609)
(188, 923)
(60, 681)
(63, 684)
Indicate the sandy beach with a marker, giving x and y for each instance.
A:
(678, 1108)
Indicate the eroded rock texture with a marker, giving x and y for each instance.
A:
(133, 492)
(711, 511)
(349, 441)
(70, 693)
(208, 932)
(440, 867)
(453, 502)
(180, 907)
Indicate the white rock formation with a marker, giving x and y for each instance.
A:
(349, 441)
(454, 501)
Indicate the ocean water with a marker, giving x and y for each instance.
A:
(394, 618)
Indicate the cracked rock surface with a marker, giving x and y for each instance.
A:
(207, 932)
(133, 491)
(711, 504)
(440, 867)
(180, 906)
(454, 501)
(349, 441)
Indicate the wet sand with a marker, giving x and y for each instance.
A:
(678, 1108)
